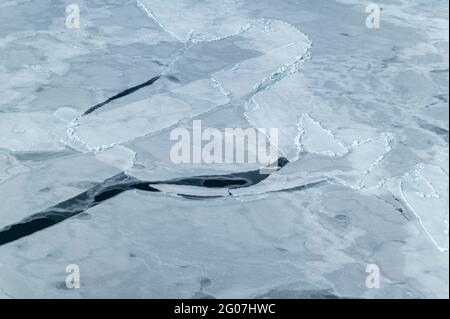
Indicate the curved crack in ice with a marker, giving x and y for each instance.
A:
(261, 30)
(115, 186)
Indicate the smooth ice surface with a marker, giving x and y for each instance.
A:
(362, 116)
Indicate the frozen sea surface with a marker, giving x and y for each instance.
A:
(362, 116)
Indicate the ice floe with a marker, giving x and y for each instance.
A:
(425, 190)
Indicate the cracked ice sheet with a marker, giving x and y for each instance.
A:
(314, 139)
(52, 59)
(198, 21)
(45, 66)
(350, 170)
(35, 189)
(359, 85)
(156, 255)
(425, 190)
(153, 160)
(282, 48)
(307, 124)
(103, 130)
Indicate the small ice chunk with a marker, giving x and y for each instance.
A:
(367, 155)
(315, 139)
(49, 184)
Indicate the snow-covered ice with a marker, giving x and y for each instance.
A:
(362, 116)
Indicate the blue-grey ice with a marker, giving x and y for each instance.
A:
(362, 115)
